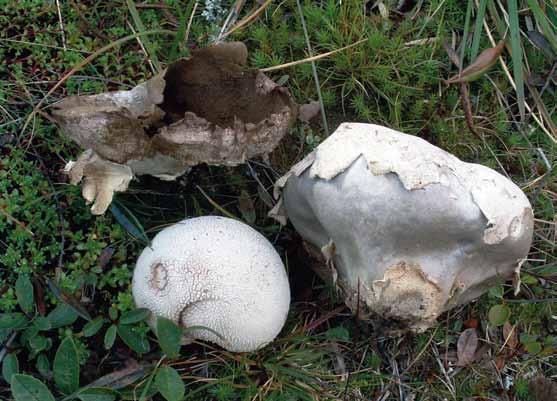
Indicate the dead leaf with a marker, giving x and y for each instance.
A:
(543, 389)
(481, 352)
(471, 323)
(466, 347)
(39, 296)
(464, 93)
(105, 256)
(542, 43)
(309, 111)
(500, 362)
(452, 54)
(123, 377)
(480, 66)
(510, 336)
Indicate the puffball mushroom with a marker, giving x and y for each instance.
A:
(209, 108)
(217, 273)
(406, 229)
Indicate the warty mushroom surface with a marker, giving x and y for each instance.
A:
(217, 273)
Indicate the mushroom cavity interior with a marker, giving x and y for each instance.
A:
(217, 273)
(405, 229)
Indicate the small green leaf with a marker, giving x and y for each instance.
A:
(38, 343)
(169, 335)
(62, 315)
(498, 315)
(66, 367)
(29, 333)
(337, 333)
(533, 347)
(526, 338)
(93, 327)
(24, 293)
(109, 337)
(13, 320)
(170, 384)
(42, 323)
(134, 340)
(27, 388)
(43, 365)
(113, 313)
(97, 394)
(134, 316)
(10, 366)
(496, 292)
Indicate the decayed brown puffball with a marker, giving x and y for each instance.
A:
(209, 108)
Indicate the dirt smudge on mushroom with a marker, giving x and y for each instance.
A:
(159, 277)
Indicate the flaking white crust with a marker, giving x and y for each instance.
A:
(417, 164)
(474, 225)
(220, 274)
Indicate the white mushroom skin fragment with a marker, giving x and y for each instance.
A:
(217, 273)
(101, 178)
(409, 228)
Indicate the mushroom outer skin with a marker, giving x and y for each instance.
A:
(408, 230)
(217, 273)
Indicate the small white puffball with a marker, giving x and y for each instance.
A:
(217, 273)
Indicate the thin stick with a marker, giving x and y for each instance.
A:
(61, 25)
(143, 49)
(187, 34)
(232, 17)
(247, 19)
(313, 69)
(314, 58)
(216, 205)
(16, 221)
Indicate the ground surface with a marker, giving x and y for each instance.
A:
(79, 267)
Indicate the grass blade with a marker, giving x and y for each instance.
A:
(543, 22)
(478, 30)
(179, 42)
(131, 224)
(141, 29)
(516, 54)
(466, 30)
(313, 68)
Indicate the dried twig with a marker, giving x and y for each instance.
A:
(314, 58)
(61, 25)
(313, 69)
